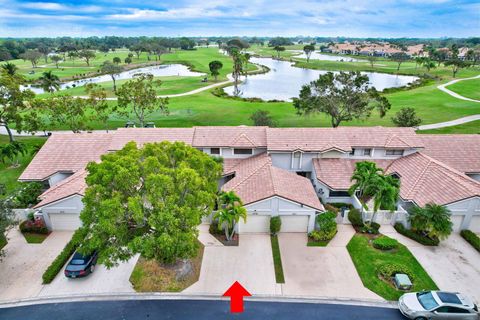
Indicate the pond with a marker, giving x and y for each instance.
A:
(283, 81)
(157, 71)
(326, 57)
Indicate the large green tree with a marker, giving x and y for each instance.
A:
(308, 49)
(139, 96)
(406, 117)
(344, 97)
(65, 110)
(215, 67)
(87, 55)
(113, 70)
(148, 201)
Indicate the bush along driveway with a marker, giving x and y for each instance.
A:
(371, 263)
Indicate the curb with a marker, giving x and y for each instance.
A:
(180, 296)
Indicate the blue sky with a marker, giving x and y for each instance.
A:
(354, 18)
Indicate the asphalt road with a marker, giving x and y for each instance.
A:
(194, 309)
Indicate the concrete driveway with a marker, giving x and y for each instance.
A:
(321, 271)
(454, 265)
(22, 268)
(251, 264)
(102, 280)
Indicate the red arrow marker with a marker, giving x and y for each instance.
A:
(236, 293)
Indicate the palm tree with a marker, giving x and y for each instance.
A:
(49, 81)
(432, 220)
(230, 214)
(366, 177)
(386, 195)
(9, 69)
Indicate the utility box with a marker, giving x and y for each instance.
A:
(402, 281)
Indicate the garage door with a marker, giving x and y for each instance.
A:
(65, 221)
(457, 222)
(255, 224)
(475, 224)
(294, 223)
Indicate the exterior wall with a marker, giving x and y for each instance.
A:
(467, 208)
(57, 177)
(275, 206)
(228, 152)
(377, 153)
(70, 205)
(474, 176)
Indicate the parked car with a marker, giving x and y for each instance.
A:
(428, 305)
(80, 265)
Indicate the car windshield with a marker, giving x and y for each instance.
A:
(77, 261)
(427, 300)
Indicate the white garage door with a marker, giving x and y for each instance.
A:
(254, 224)
(457, 222)
(475, 224)
(65, 221)
(294, 223)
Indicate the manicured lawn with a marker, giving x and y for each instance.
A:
(9, 174)
(467, 88)
(152, 276)
(367, 259)
(312, 243)
(469, 127)
(277, 260)
(34, 237)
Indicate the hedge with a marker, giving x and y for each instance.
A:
(33, 227)
(388, 270)
(416, 236)
(355, 218)
(63, 257)
(471, 238)
(385, 243)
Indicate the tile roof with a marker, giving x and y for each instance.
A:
(236, 137)
(230, 164)
(75, 184)
(66, 153)
(424, 180)
(257, 179)
(336, 172)
(341, 138)
(149, 135)
(459, 151)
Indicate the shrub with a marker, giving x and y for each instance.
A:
(341, 205)
(275, 225)
(471, 238)
(355, 218)
(214, 228)
(327, 227)
(385, 243)
(28, 195)
(389, 270)
(63, 257)
(371, 229)
(35, 226)
(320, 235)
(331, 208)
(420, 238)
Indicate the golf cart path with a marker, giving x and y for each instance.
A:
(450, 123)
(444, 86)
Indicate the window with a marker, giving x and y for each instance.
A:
(242, 151)
(427, 300)
(339, 194)
(296, 155)
(367, 152)
(393, 152)
(352, 153)
(214, 150)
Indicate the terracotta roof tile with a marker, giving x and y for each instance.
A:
(75, 184)
(237, 137)
(149, 135)
(66, 153)
(257, 179)
(459, 151)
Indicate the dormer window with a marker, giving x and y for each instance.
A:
(367, 152)
(394, 152)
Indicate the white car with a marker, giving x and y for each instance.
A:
(428, 305)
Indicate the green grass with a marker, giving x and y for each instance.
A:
(367, 259)
(9, 174)
(466, 128)
(34, 237)
(277, 260)
(467, 88)
(311, 243)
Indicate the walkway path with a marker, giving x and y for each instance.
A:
(444, 86)
(450, 123)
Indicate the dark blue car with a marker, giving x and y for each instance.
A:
(80, 265)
